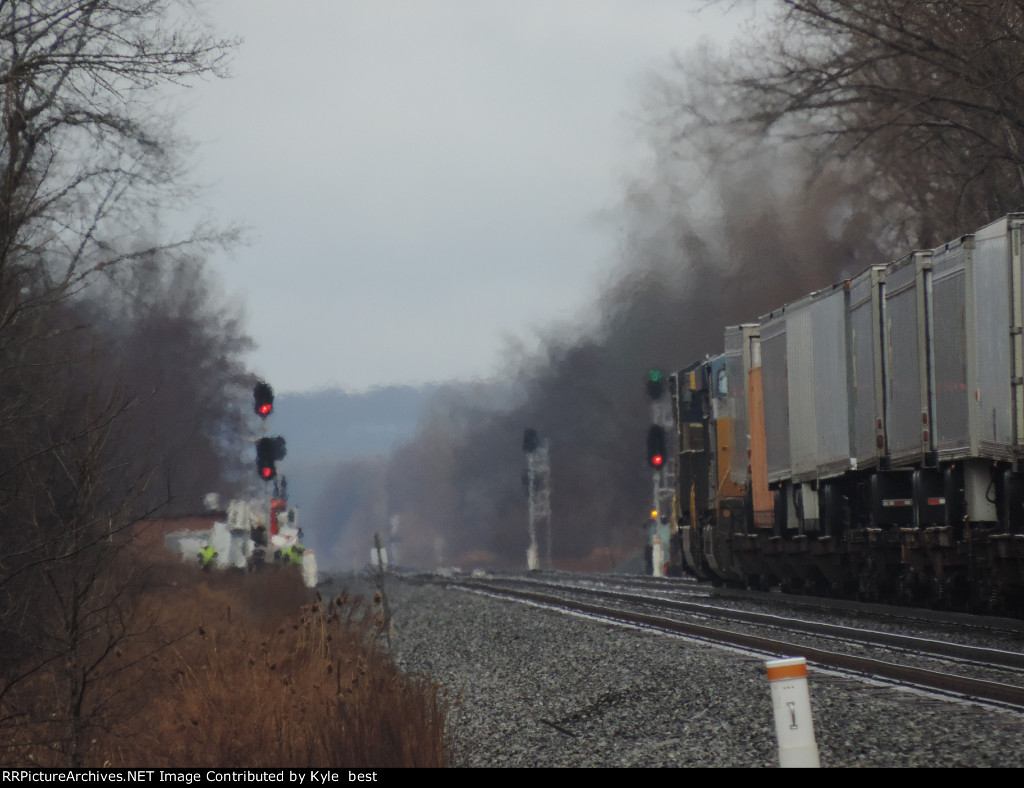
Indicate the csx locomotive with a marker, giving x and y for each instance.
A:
(866, 440)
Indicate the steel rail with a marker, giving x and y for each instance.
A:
(921, 677)
(990, 656)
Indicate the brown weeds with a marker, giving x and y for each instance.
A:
(245, 671)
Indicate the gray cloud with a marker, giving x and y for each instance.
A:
(369, 142)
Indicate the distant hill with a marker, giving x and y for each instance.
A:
(336, 425)
(324, 428)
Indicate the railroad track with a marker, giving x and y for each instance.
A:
(687, 586)
(822, 644)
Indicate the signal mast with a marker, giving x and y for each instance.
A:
(662, 462)
(268, 450)
(538, 487)
(283, 532)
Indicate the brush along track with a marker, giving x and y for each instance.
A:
(630, 610)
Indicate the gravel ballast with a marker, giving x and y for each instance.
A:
(535, 688)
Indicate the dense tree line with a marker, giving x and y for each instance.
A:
(121, 381)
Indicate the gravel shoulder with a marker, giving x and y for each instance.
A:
(533, 688)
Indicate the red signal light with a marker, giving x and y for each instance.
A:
(263, 395)
(656, 446)
(268, 452)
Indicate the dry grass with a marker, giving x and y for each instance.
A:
(245, 670)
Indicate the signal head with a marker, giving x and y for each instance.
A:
(268, 452)
(263, 396)
(655, 384)
(656, 451)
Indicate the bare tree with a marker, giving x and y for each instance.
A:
(108, 433)
(192, 397)
(86, 163)
(65, 608)
(84, 153)
(924, 96)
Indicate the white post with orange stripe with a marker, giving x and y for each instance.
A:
(658, 557)
(791, 703)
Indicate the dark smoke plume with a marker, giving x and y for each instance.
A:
(719, 232)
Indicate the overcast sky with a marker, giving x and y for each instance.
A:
(424, 179)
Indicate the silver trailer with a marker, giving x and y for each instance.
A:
(830, 354)
(815, 364)
(803, 429)
(976, 347)
(805, 360)
(954, 369)
(908, 391)
(741, 348)
(951, 269)
(977, 370)
(867, 380)
(775, 381)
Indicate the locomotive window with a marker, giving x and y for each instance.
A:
(723, 382)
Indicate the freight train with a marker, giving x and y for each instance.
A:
(865, 440)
